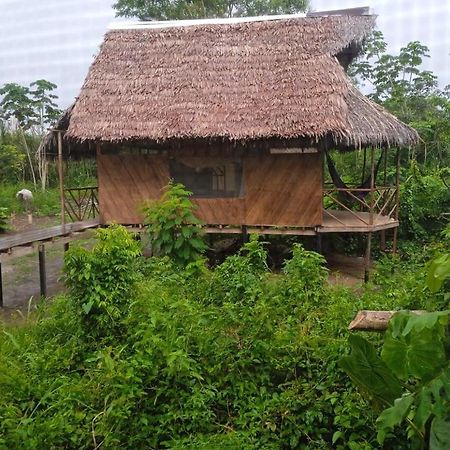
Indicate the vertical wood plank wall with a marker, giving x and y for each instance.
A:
(284, 190)
(280, 190)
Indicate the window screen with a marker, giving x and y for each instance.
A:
(208, 178)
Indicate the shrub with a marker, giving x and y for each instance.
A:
(100, 280)
(169, 357)
(172, 226)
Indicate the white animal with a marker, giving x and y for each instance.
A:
(26, 197)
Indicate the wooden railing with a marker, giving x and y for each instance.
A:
(382, 201)
(81, 203)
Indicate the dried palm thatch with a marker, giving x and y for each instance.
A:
(280, 79)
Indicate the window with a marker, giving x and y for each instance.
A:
(207, 178)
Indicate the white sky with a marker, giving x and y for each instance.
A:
(57, 39)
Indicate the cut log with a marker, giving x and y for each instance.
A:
(373, 320)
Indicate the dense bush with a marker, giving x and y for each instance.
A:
(141, 354)
(424, 199)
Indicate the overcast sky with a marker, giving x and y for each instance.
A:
(57, 39)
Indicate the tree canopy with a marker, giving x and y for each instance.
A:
(198, 9)
(399, 83)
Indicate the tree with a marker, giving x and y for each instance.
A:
(410, 93)
(30, 109)
(197, 9)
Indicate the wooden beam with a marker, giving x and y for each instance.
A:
(373, 320)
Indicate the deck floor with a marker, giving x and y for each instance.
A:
(337, 221)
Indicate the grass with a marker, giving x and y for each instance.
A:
(45, 203)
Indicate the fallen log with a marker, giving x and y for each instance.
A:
(373, 320)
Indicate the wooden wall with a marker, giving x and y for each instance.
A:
(280, 190)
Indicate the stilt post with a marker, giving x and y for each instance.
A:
(42, 271)
(319, 243)
(244, 234)
(397, 202)
(367, 257)
(372, 184)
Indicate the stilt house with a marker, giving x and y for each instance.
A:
(243, 113)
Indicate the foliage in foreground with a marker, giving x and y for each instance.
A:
(230, 358)
(410, 381)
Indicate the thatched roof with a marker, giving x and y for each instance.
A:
(241, 82)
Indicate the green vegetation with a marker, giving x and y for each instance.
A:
(143, 354)
(172, 227)
(197, 9)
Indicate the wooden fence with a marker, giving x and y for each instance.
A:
(81, 203)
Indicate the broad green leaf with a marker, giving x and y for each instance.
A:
(370, 372)
(393, 416)
(440, 433)
(423, 409)
(418, 354)
(426, 320)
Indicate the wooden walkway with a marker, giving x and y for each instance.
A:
(7, 243)
(28, 238)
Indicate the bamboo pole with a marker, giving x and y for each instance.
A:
(61, 179)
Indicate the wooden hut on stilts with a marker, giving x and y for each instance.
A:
(245, 113)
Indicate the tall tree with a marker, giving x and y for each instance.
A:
(400, 84)
(30, 109)
(197, 9)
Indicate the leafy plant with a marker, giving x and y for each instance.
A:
(410, 381)
(100, 280)
(4, 217)
(172, 226)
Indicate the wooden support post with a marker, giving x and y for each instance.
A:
(372, 184)
(397, 202)
(1, 286)
(319, 243)
(244, 234)
(383, 240)
(61, 179)
(42, 272)
(367, 257)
